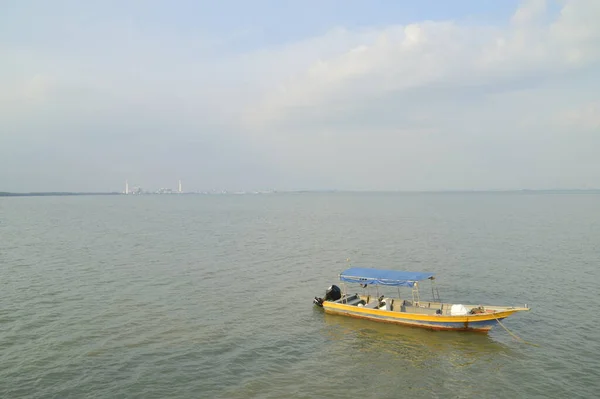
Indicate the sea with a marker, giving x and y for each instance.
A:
(210, 296)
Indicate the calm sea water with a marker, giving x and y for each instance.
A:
(211, 296)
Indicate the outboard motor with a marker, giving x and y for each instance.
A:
(333, 293)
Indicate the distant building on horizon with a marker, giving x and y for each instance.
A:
(139, 190)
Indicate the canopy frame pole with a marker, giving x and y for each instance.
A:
(415, 294)
(346, 292)
(433, 294)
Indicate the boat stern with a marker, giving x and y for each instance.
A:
(333, 293)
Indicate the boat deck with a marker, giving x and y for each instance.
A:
(407, 306)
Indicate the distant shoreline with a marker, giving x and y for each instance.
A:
(51, 194)
(523, 191)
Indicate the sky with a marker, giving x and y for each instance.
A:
(299, 95)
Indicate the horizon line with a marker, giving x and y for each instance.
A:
(274, 191)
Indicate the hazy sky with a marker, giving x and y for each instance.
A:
(311, 94)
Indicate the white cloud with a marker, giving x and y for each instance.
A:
(585, 117)
(529, 13)
(441, 53)
(440, 104)
(36, 88)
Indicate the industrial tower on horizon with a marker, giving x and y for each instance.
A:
(138, 190)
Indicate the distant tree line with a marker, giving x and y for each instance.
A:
(48, 194)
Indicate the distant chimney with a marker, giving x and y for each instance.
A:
(126, 187)
(179, 190)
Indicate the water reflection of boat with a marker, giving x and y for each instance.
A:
(433, 314)
(409, 341)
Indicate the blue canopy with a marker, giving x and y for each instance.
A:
(394, 278)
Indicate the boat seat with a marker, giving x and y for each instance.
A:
(352, 301)
(419, 310)
(350, 297)
(374, 304)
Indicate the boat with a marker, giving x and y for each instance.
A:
(433, 314)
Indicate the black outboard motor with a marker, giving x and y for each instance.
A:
(333, 293)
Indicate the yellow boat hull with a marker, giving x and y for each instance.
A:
(481, 322)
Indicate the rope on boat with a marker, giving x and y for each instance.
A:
(515, 336)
